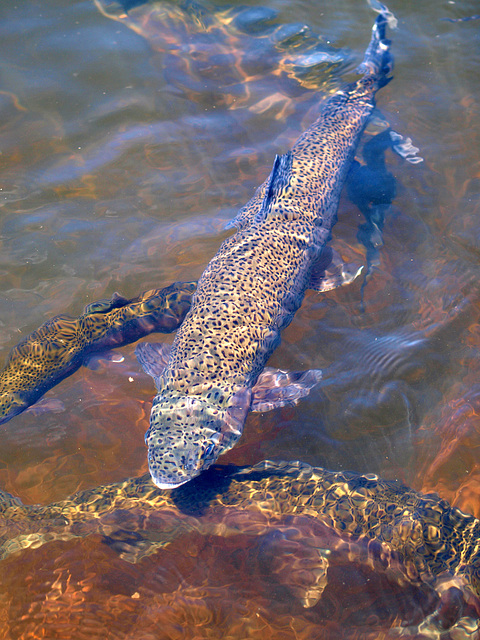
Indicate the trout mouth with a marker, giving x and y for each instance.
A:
(168, 485)
(187, 434)
(171, 466)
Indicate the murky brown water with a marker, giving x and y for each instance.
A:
(123, 154)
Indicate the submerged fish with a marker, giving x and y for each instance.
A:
(416, 539)
(61, 345)
(215, 372)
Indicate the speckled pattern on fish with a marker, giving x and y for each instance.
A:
(418, 538)
(252, 288)
(61, 345)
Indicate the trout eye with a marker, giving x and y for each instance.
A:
(208, 450)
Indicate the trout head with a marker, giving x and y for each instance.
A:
(188, 433)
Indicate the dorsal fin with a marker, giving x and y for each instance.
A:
(278, 182)
(104, 306)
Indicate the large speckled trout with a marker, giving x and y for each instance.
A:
(304, 517)
(215, 371)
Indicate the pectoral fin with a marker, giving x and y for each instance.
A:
(295, 559)
(330, 271)
(153, 356)
(276, 388)
(133, 546)
(46, 405)
(94, 361)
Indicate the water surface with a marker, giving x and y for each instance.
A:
(123, 154)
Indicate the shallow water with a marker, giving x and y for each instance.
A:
(122, 156)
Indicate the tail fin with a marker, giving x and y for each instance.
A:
(378, 60)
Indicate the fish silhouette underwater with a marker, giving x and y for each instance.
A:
(63, 344)
(306, 520)
(215, 373)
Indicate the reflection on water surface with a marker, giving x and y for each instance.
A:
(124, 152)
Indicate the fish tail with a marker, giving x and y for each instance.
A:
(378, 60)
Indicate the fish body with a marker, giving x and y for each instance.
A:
(62, 344)
(303, 517)
(215, 372)
(390, 527)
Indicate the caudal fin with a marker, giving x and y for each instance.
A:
(378, 60)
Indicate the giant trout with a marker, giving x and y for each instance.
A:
(411, 537)
(215, 371)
